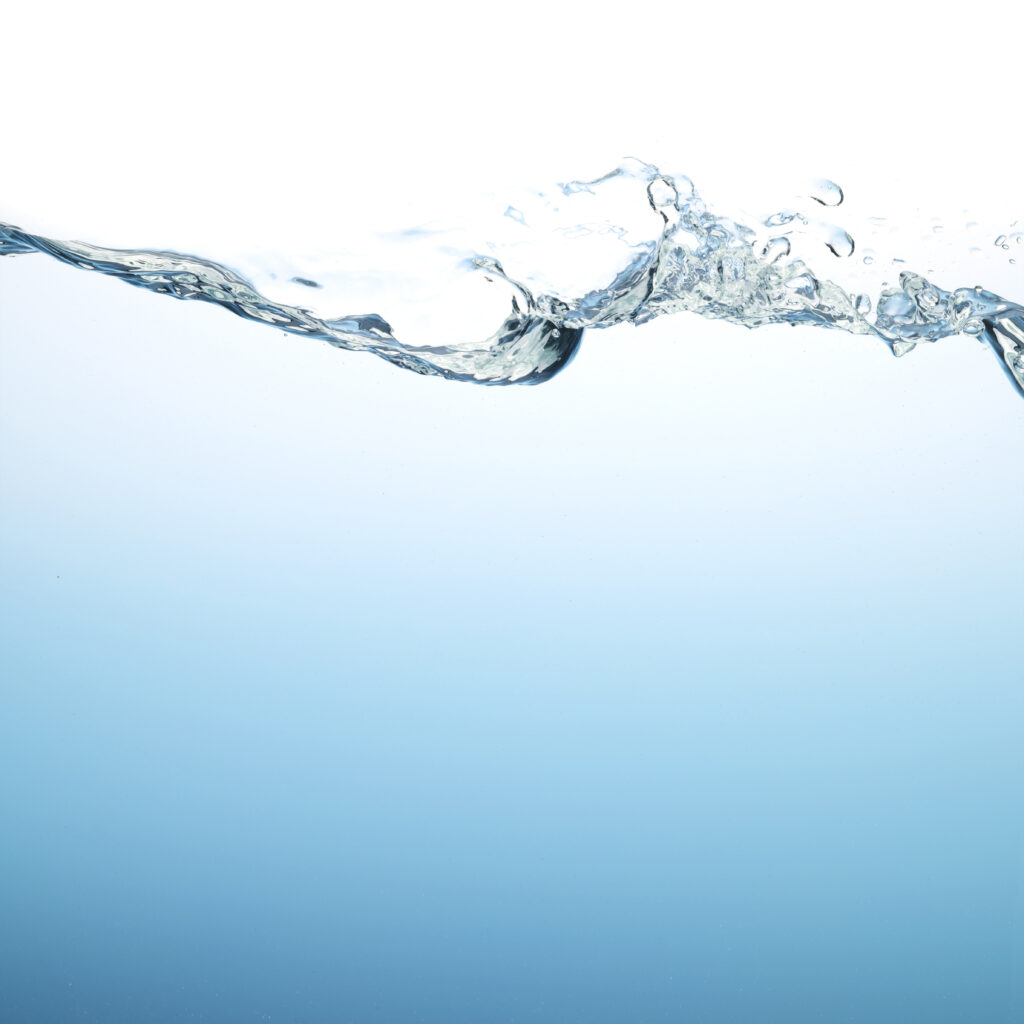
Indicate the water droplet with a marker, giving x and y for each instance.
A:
(826, 192)
(862, 304)
(869, 259)
(775, 249)
(1001, 240)
(1012, 260)
(839, 242)
(517, 215)
(973, 326)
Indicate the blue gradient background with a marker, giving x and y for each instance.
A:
(686, 687)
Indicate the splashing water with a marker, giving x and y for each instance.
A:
(667, 253)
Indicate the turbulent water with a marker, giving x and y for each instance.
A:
(668, 253)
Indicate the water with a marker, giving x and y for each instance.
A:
(682, 689)
(630, 246)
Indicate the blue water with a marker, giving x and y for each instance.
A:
(673, 690)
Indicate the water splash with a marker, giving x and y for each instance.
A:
(667, 253)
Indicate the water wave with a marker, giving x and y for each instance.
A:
(678, 255)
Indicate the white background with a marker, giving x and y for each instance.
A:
(125, 120)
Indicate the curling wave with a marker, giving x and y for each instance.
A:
(685, 258)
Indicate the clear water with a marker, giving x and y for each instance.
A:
(630, 246)
(685, 689)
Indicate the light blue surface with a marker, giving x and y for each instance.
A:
(333, 694)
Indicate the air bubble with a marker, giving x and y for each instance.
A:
(804, 285)
(661, 193)
(898, 306)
